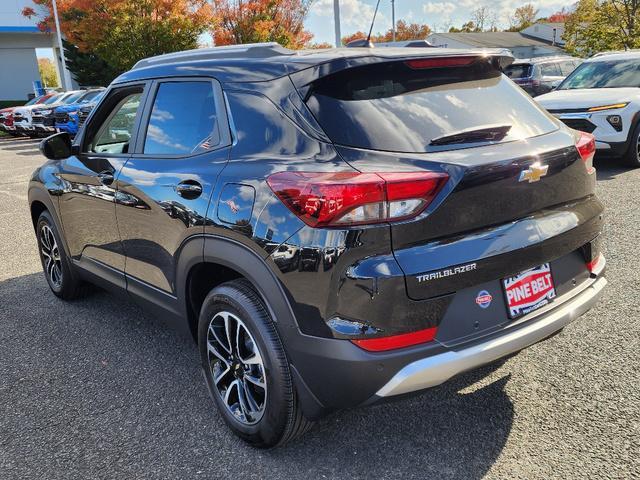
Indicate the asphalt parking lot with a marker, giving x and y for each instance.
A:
(98, 389)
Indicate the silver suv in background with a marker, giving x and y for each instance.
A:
(541, 75)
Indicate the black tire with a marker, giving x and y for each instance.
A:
(62, 279)
(277, 418)
(632, 157)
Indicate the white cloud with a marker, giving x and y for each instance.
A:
(438, 8)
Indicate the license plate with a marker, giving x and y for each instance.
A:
(529, 290)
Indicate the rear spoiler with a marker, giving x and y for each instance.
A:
(500, 59)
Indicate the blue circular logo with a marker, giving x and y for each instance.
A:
(484, 299)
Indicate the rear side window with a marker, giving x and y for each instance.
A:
(521, 70)
(550, 70)
(183, 119)
(391, 106)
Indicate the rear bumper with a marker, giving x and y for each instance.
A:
(432, 371)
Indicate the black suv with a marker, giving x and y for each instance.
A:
(332, 227)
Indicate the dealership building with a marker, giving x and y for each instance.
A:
(19, 38)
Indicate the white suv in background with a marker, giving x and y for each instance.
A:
(602, 97)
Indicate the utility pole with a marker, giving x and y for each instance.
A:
(393, 20)
(336, 21)
(66, 77)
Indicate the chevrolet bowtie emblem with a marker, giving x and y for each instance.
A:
(534, 173)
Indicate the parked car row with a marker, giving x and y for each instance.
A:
(50, 113)
(541, 75)
(602, 97)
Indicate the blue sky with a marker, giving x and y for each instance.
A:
(357, 14)
(438, 14)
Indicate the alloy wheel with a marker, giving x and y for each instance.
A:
(51, 255)
(236, 368)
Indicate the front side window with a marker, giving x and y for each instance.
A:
(183, 119)
(114, 134)
(604, 74)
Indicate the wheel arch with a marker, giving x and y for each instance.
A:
(214, 260)
(39, 201)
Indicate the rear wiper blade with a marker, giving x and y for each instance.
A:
(486, 133)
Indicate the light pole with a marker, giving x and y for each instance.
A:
(336, 21)
(65, 73)
(393, 20)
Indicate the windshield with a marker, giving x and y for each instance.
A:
(52, 99)
(72, 98)
(604, 74)
(87, 97)
(32, 101)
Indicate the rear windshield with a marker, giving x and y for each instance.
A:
(521, 70)
(390, 106)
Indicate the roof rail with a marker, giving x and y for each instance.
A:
(247, 50)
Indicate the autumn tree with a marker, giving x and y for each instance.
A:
(523, 17)
(48, 72)
(560, 16)
(121, 32)
(249, 21)
(593, 26)
(404, 31)
(354, 36)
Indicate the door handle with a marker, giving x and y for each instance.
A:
(106, 177)
(189, 189)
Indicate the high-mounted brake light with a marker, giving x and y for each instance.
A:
(381, 344)
(440, 62)
(586, 145)
(333, 199)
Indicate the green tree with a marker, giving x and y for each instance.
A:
(523, 17)
(87, 68)
(48, 73)
(468, 27)
(594, 27)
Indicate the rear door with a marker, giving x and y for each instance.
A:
(164, 189)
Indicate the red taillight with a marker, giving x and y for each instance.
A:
(595, 264)
(382, 344)
(352, 198)
(440, 62)
(586, 145)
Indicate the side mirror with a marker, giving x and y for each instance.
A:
(57, 147)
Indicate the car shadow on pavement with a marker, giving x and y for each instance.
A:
(96, 384)
(609, 169)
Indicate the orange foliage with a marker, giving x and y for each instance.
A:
(404, 31)
(249, 21)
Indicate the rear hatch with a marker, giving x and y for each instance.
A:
(518, 190)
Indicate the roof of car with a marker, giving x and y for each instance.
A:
(261, 62)
(553, 58)
(619, 55)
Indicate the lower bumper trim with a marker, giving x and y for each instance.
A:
(432, 371)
